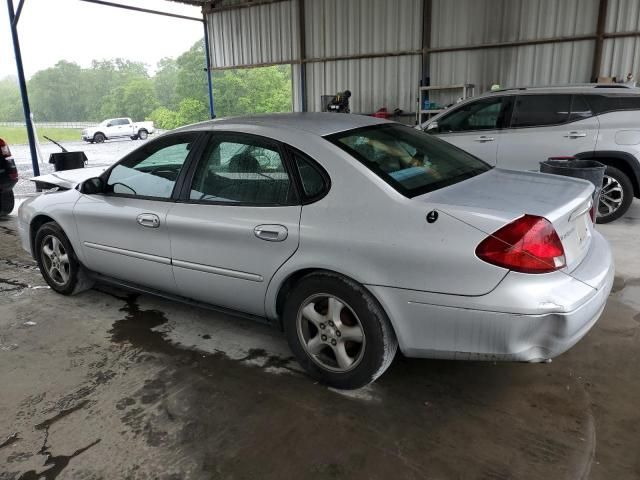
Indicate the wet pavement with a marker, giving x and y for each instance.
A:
(109, 384)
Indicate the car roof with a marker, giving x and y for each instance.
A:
(316, 123)
(593, 88)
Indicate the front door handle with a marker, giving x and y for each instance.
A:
(575, 135)
(149, 220)
(271, 233)
(483, 139)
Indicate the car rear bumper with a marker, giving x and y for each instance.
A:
(525, 318)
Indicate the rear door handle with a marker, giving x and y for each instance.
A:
(575, 135)
(271, 233)
(149, 220)
(483, 138)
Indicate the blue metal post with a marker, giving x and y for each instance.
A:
(23, 88)
(207, 53)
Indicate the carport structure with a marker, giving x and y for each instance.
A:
(384, 50)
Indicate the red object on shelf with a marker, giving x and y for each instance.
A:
(382, 113)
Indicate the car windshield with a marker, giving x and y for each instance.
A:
(411, 161)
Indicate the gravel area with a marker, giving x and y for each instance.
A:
(102, 154)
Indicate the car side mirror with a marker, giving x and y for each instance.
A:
(109, 124)
(432, 127)
(92, 186)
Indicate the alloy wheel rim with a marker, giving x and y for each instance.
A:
(330, 333)
(56, 260)
(611, 196)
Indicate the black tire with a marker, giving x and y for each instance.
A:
(77, 278)
(374, 353)
(7, 202)
(143, 134)
(99, 137)
(620, 195)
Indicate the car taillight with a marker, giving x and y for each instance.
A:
(529, 244)
(4, 149)
(593, 211)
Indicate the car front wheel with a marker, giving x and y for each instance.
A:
(7, 202)
(616, 195)
(338, 331)
(58, 262)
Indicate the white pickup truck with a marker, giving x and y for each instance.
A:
(117, 128)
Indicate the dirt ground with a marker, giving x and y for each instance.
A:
(108, 385)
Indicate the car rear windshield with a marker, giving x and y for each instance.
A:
(410, 161)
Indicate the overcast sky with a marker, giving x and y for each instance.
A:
(52, 30)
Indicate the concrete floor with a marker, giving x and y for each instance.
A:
(111, 385)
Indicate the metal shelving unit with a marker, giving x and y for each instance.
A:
(467, 90)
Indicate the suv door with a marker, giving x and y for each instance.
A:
(236, 224)
(124, 232)
(547, 125)
(475, 126)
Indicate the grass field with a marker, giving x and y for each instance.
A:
(18, 135)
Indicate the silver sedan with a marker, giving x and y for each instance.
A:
(354, 235)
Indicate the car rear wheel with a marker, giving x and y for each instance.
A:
(615, 197)
(7, 202)
(142, 134)
(99, 138)
(338, 331)
(58, 262)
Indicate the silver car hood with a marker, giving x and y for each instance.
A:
(493, 199)
(68, 179)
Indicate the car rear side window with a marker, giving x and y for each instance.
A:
(612, 103)
(242, 170)
(541, 110)
(314, 183)
(410, 161)
(580, 109)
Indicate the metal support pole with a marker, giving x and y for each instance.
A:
(207, 53)
(596, 66)
(23, 89)
(303, 53)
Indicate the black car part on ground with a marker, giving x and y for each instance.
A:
(66, 160)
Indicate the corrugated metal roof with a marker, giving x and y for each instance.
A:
(546, 64)
(353, 27)
(375, 82)
(471, 22)
(262, 34)
(623, 16)
(621, 56)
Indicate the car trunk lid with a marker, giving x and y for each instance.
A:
(497, 197)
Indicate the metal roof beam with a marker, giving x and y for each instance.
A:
(143, 10)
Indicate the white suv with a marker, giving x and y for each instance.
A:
(518, 128)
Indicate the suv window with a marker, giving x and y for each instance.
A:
(410, 161)
(242, 169)
(151, 171)
(580, 109)
(541, 110)
(122, 121)
(602, 104)
(485, 114)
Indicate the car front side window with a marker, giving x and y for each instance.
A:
(484, 114)
(242, 170)
(152, 170)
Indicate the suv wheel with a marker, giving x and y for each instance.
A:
(99, 137)
(338, 331)
(615, 197)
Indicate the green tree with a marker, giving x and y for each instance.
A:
(59, 93)
(10, 101)
(164, 118)
(136, 99)
(192, 75)
(165, 81)
(192, 111)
